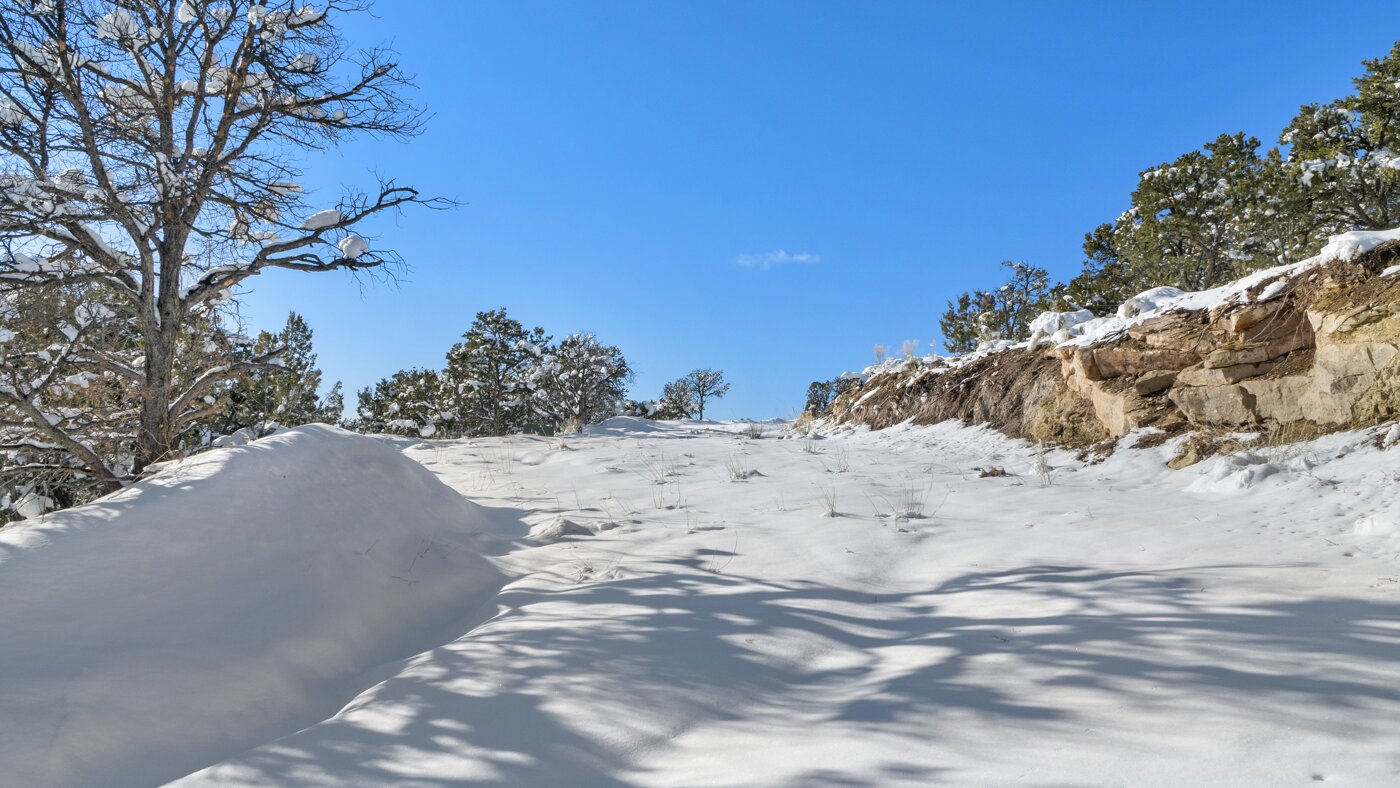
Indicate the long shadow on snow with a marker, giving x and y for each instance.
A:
(640, 658)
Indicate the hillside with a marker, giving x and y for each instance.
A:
(676, 607)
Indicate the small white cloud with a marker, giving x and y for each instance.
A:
(766, 260)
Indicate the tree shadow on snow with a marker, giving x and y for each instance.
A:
(522, 700)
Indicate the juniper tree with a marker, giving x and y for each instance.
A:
(822, 393)
(583, 381)
(493, 374)
(149, 157)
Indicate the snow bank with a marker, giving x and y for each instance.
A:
(1159, 300)
(625, 425)
(1056, 326)
(1347, 246)
(1148, 301)
(235, 597)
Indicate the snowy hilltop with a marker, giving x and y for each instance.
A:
(1139, 527)
(653, 603)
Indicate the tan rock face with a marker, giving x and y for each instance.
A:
(1155, 381)
(1114, 362)
(1219, 406)
(1325, 353)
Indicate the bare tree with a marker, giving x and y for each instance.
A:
(705, 384)
(149, 162)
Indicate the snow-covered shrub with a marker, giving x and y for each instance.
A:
(1055, 327)
(409, 402)
(493, 375)
(582, 382)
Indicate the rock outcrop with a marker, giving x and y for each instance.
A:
(1312, 350)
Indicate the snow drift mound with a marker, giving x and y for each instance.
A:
(235, 597)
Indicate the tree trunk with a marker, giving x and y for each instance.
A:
(156, 441)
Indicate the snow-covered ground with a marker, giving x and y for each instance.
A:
(686, 614)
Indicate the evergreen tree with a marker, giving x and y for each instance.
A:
(1286, 219)
(1105, 281)
(677, 401)
(1005, 313)
(409, 402)
(822, 393)
(704, 385)
(959, 323)
(287, 393)
(583, 381)
(1344, 151)
(93, 406)
(332, 410)
(1184, 227)
(1201, 220)
(493, 374)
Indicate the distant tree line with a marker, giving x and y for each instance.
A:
(1214, 214)
(683, 398)
(505, 378)
(502, 378)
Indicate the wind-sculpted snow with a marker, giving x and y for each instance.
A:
(1066, 623)
(233, 598)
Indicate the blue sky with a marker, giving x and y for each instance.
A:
(771, 188)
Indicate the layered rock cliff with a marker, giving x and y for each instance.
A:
(1293, 351)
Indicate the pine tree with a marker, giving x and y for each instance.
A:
(286, 393)
(1105, 281)
(1345, 151)
(583, 381)
(704, 385)
(332, 410)
(1201, 220)
(493, 375)
(409, 402)
(1004, 313)
(1183, 228)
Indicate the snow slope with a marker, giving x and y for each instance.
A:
(1236, 623)
(234, 597)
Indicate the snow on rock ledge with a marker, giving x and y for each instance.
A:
(235, 597)
(1158, 301)
(1292, 351)
(1347, 246)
